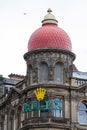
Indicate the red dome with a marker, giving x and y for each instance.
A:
(49, 36)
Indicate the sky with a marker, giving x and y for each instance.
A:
(20, 18)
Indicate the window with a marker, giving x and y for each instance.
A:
(43, 113)
(43, 76)
(59, 73)
(82, 112)
(58, 107)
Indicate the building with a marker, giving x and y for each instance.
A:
(7, 83)
(53, 95)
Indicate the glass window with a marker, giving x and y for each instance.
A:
(82, 112)
(59, 72)
(43, 113)
(58, 107)
(43, 72)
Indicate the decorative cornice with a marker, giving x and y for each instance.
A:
(28, 54)
(50, 122)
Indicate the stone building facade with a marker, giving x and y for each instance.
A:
(51, 96)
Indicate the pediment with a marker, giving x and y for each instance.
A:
(13, 94)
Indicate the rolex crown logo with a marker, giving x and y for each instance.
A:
(40, 93)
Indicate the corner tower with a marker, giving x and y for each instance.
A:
(49, 57)
(49, 61)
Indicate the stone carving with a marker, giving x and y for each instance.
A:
(51, 74)
(35, 75)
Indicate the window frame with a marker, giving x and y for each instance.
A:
(82, 119)
(43, 66)
(57, 75)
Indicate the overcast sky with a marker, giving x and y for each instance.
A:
(20, 18)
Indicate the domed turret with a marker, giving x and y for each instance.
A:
(48, 77)
(49, 35)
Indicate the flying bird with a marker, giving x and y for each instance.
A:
(25, 13)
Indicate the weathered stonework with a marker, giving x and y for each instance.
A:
(49, 68)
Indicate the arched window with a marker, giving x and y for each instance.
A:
(59, 73)
(43, 74)
(82, 112)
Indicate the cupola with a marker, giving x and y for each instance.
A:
(50, 35)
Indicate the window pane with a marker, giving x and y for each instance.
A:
(44, 113)
(58, 107)
(43, 72)
(82, 117)
(59, 73)
(82, 106)
(57, 113)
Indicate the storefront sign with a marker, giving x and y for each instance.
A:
(40, 104)
(55, 104)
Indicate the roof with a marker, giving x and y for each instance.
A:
(80, 75)
(49, 35)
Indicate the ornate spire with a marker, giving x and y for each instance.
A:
(49, 18)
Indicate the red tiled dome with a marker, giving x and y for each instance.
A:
(49, 36)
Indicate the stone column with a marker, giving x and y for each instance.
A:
(5, 122)
(8, 122)
(67, 109)
(16, 121)
(74, 107)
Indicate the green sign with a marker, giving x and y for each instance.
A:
(55, 104)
